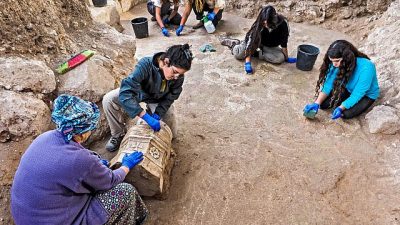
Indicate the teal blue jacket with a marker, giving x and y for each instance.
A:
(363, 82)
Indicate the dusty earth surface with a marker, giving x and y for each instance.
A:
(245, 153)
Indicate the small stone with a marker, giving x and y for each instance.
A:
(94, 46)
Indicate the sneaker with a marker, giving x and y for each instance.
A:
(199, 25)
(229, 42)
(113, 144)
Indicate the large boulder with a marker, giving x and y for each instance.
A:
(126, 5)
(22, 115)
(90, 80)
(102, 127)
(383, 119)
(107, 14)
(19, 74)
(383, 47)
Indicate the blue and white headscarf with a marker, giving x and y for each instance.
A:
(73, 116)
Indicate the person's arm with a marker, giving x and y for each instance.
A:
(167, 101)
(321, 98)
(248, 59)
(285, 53)
(186, 13)
(158, 17)
(174, 12)
(285, 39)
(366, 76)
(101, 178)
(216, 10)
(131, 93)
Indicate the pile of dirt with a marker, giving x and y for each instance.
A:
(40, 27)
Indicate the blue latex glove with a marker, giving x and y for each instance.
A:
(179, 30)
(131, 160)
(211, 16)
(165, 32)
(337, 113)
(312, 106)
(166, 21)
(248, 68)
(291, 60)
(105, 162)
(153, 123)
(156, 116)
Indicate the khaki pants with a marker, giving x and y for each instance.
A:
(117, 117)
(270, 54)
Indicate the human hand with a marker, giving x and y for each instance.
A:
(105, 162)
(153, 123)
(131, 160)
(179, 30)
(312, 106)
(291, 60)
(166, 21)
(156, 116)
(165, 32)
(211, 16)
(248, 68)
(337, 113)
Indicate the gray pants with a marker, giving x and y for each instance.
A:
(117, 117)
(270, 54)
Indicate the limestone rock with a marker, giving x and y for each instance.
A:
(22, 115)
(383, 119)
(19, 74)
(107, 14)
(90, 80)
(102, 127)
(126, 5)
(382, 45)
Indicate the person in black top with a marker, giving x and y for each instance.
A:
(156, 81)
(269, 33)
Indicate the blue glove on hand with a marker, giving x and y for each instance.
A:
(105, 162)
(179, 30)
(337, 113)
(211, 16)
(153, 123)
(131, 160)
(291, 60)
(166, 21)
(165, 32)
(312, 106)
(247, 68)
(156, 116)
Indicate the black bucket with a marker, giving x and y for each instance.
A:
(306, 56)
(99, 3)
(140, 27)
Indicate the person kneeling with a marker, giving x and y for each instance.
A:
(347, 82)
(157, 81)
(268, 32)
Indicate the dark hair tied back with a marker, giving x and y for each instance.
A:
(180, 56)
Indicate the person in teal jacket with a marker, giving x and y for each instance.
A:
(347, 82)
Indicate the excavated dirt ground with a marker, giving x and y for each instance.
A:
(245, 153)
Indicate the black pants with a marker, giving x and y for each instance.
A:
(165, 10)
(354, 111)
(199, 15)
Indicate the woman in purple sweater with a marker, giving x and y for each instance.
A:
(59, 181)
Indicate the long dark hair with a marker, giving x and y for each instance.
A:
(339, 49)
(253, 36)
(179, 56)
